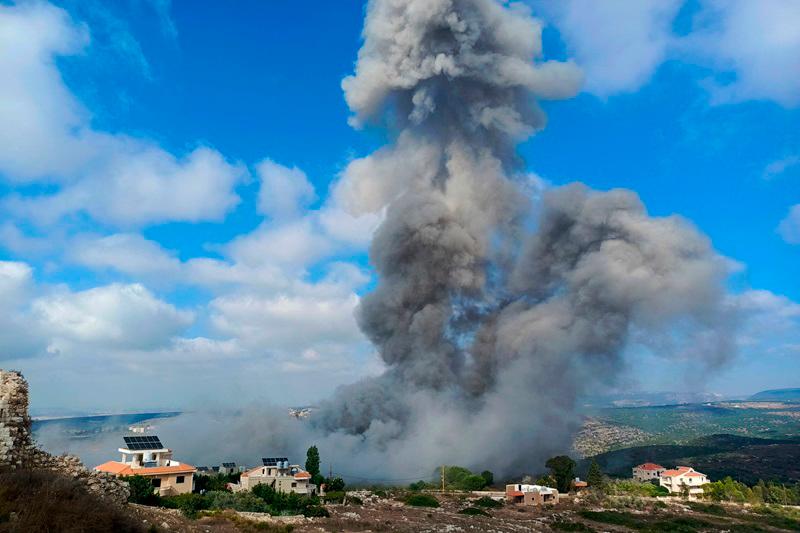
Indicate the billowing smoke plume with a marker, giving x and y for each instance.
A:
(491, 331)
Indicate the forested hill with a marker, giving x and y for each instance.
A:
(785, 395)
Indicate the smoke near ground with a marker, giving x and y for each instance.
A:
(492, 322)
(490, 331)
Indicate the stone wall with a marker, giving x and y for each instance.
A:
(16, 445)
(17, 449)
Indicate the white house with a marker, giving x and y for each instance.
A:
(278, 474)
(146, 456)
(683, 478)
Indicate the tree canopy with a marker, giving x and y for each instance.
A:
(563, 469)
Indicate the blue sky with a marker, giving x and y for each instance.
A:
(170, 223)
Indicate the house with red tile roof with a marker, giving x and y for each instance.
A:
(647, 472)
(146, 456)
(683, 480)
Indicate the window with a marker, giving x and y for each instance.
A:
(294, 484)
(180, 479)
(156, 482)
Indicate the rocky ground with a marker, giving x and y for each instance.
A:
(386, 514)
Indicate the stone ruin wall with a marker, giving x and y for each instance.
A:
(18, 450)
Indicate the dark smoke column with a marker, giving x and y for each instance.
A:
(489, 335)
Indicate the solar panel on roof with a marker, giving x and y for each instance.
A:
(273, 461)
(229, 465)
(150, 442)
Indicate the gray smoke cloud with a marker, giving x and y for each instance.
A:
(491, 332)
(493, 316)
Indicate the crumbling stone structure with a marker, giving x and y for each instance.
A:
(18, 450)
(16, 446)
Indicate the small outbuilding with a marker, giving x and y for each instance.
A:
(521, 493)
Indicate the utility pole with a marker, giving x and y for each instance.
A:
(330, 470)
(442, 478)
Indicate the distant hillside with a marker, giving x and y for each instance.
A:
(747, 459)
(648, 399)
(785, 395)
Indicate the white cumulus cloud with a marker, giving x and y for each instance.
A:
(46, 136)
(113, 316)
(618, 43)
(789, 228)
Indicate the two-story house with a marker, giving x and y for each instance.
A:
(145, 456)
(648, 472)
(683, 480)
(278, 474)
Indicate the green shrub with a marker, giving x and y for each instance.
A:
(628, 487)
(487, 502)
(316, 511)
(460, 478)
(241, 501)
(335, 484)
(215, 482)
(334, 497)
(189, 504)
(571, 526)
(418, 486)
(474, 511)
(142, 490)
(421, 500)
(472, 482)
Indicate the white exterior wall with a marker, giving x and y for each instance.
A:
(675, 484)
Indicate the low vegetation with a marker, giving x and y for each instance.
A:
(421, 500)
(487, 502)
(474, 511)
(457, 478)
(580, 527)
(671, 524)
(33, 501)
(214, 482)
(629, 487)
(262, 499)
(729, 490)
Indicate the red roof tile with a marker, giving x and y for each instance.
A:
(650, 466)
(121, 469)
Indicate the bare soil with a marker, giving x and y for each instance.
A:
(386, 514)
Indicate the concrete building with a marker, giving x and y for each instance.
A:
(228, 468)
(146, 456)
(683, 478)
(280, 475)
(647, 472)
(530, 494)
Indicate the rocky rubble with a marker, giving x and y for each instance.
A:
(17, 449)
